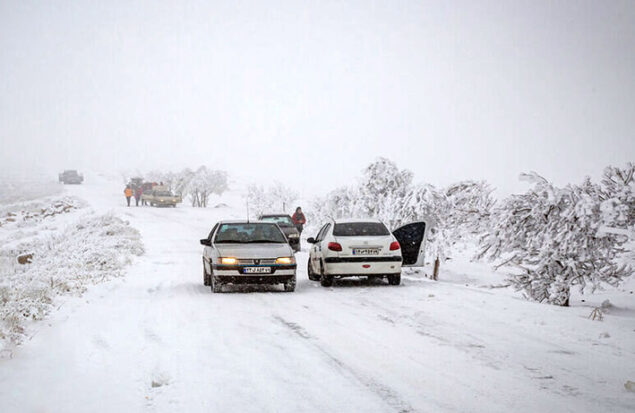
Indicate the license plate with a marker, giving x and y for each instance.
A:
(257, 270)
(365, 251)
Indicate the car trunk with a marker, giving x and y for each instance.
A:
(357, 246)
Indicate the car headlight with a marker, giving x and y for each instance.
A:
(285, 260)
(228, 260)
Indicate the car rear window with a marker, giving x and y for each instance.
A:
(355, 229)
(282, 220)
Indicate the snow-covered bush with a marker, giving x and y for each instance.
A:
(553, 238)
(92, 250)
(275, 198)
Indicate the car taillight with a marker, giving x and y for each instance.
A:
(394, 246)
(335, 246)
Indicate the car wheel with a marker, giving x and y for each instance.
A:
(206, 278)
(312, 275)
(394, 279)
(372, 279)
(216, 285)
(325, 280)
(289, 286)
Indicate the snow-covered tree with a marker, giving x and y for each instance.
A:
(198, 185)
(276, 198)
(203, 183)
(382, 188)
(338, 203)
(618, 196)
(456, 213)
(552, 238)
(282, 197)
(257, 199)
(469, 206)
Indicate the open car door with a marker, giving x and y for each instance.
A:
(411, 237)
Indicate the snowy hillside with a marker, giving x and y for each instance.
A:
(137, 330)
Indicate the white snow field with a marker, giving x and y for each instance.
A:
(156, 339)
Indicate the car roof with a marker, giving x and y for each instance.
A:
(244, 221)
(353, 220)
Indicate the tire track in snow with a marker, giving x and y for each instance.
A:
(388, 395)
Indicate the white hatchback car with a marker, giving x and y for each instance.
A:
(364, 248)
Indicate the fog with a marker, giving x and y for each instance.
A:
(308, 93)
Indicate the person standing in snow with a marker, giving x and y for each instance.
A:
(128, 193)
(137, 194)
(299, 219)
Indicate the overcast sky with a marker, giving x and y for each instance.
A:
(308, 93)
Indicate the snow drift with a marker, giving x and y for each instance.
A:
(89, 250)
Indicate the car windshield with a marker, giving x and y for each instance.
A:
(249, 233)
(163, 193)
(354, 229)
(282, 220)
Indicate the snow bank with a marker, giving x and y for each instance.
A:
(30, 213)
(91, 249)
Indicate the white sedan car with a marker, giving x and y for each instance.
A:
(242, 252)
(364, 248)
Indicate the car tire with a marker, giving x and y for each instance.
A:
(289, 286)
(394, 279)
(325, 280)
(206, 278)
(312, 276)
(217, 286)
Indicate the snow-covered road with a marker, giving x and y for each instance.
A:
(158, 340)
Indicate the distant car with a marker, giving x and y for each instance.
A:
(242, 252)
(71, 176)
(285, 223)
(364, 248)
(161, 196)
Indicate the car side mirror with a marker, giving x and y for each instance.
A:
(311, 240)
(206, 242)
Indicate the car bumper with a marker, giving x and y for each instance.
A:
(254, 279)
(235, 274)
(351, 267)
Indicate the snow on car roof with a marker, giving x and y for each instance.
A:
(351, 220)
(242, 221)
